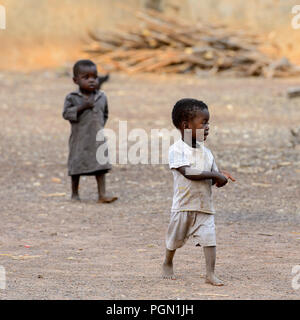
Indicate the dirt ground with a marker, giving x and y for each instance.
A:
(52, 248)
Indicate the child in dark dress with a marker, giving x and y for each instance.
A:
(87, 111)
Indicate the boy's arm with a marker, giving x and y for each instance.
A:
(196, 175)
(71, 111)
(105, 111)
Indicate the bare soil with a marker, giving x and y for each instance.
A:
(52, 248)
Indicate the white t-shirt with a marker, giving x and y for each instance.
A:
(191, 195)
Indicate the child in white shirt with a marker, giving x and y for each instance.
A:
(194, 171)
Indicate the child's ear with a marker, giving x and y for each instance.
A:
(75, 80)
(185, 125)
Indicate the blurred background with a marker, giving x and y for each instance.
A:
(49, 33)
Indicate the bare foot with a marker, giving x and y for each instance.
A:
(107, 199)
(212, 279)
(168, 272)
(75, 197)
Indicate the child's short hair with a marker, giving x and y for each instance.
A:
(186, 109)
(82, 63)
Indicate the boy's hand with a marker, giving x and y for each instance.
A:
(90, 101)
(220, 180)
(227, 175)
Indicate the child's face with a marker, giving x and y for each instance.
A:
(199, 127)
(87, 79)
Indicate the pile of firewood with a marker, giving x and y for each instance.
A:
(166, 45)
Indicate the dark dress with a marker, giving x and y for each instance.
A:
(84, 128)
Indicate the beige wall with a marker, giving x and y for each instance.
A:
(47, 33)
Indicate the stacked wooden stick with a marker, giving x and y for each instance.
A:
(166, 45)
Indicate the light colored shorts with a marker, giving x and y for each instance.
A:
(185, 224)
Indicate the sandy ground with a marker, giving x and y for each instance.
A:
(52, 248)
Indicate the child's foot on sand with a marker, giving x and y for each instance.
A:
(107, 199)
(75, 197)
(214, 280)
(168, 272)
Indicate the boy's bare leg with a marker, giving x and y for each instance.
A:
(102, 197)
(75, 187)
(168, 272)
(210, 260)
